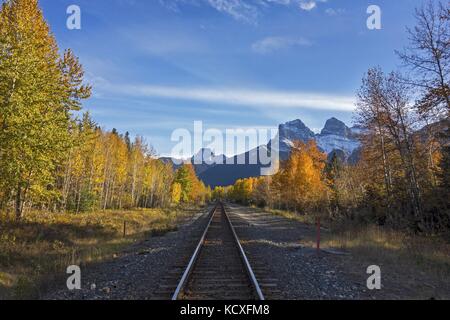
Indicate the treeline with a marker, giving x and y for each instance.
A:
(301, 185)
(106, 170)
(51, 159)
(403, 176)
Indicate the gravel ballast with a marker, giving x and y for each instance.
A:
(152, 269)
(141, 271)
(300, 272)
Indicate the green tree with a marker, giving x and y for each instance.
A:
(38, 90)
(183, 178)
(333, 170)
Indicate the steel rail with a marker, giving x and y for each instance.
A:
(184, 279)
(194, 258)
(248, 267)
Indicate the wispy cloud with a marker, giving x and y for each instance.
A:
(241, 97)
(271, 44)
(236, 8)
(243, 10)
(334, 12)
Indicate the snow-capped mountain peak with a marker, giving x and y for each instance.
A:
(334, 136)
(291, 131)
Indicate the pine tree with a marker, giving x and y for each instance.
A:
(333, 171)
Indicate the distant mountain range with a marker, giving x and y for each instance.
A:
(335, 138)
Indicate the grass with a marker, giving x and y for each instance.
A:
(44, 244)
(413, 266)
(307, 219)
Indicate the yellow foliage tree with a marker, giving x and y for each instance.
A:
(176, 193)
(301, 180)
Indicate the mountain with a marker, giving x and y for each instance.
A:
(202, 160)
(227, 174)
(291, 131)
(336, 127)
(335, 137)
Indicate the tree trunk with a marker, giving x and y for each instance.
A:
(18, 203)
(386, 169)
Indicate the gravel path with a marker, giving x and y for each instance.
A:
(299, 272)
(147, 270)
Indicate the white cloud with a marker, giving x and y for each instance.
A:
(238, 9)
(271, 44)
(242, 97)
(307, 5)
(243, 10)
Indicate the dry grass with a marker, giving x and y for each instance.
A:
(413, 267)
(43, 244)
(307, 219)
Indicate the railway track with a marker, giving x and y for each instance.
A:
(219, 268)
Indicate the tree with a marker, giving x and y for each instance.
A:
(183, 178)
(49, 157)
(218, 193)
(38, 91)
(444, 174)
(370, 116)
(428, 57)
(301, 180)
(176, 193)
(137, 156)
(385, 111)
(262, 191)
(242, 190)
(192, 189)
(333, 171)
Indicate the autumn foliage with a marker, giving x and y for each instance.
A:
(52, 157)
(401, 178)
(299, 186)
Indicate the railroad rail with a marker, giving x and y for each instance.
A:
(219, 268)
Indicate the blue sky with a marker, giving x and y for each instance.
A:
(159, 65)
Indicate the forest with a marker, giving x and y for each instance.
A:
(52, 155)
(55, 157)
(402, 178)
